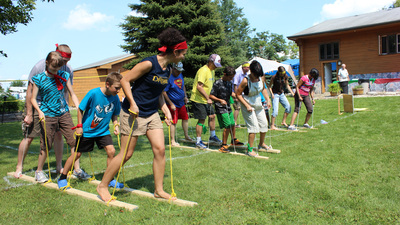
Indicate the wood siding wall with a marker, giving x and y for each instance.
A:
(358, 49)
(87, 79)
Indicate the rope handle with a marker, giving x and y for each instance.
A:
(173, 194)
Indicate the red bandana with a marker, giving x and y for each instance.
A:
(179, 46)
(64, 54)
(57, 79)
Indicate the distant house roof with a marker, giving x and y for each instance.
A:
(352, 22)
(103, 62)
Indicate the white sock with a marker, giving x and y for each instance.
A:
(212, 133)
(198, 139)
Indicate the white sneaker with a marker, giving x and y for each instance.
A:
(41, 177)
(81, 174)
(306, 125)
(292, 127)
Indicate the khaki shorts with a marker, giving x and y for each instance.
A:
(34, 128)
(141, 126)
(236, 105)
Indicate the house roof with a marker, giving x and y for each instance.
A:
(352, 22)
(103, 62)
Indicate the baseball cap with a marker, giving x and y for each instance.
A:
(216, 59)
(178, 66)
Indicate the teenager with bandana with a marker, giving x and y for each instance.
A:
(53, 110)
(31, 123)
(143, 99)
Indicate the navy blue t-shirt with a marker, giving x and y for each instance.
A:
(147, 89)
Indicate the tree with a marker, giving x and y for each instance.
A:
(13, 13)
(395, 4)
(269, 46)
(198, 20)
(293, 50)
(237, 30)
(17, 83)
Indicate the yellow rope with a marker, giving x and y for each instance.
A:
(122, 161)
(73, 163)
(170, 163)
(123, 171)
(47, 149)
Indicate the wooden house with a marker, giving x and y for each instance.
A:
(94, 75)
(369, 45)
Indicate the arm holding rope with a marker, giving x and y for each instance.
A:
(265, 93)
(79, 129)
(215, 99)
(239, 96)
(116, 124)
(34, 102)
(297, 89)
(164, 108)
(168, 100)
(74, 98)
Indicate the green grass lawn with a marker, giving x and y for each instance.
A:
(346, 171)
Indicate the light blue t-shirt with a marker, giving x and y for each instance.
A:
(53, 101)
(98, 111)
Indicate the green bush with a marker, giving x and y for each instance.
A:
(334, 88)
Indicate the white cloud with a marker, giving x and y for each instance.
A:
(81, 18)
(136, 14)
(343, 8)
(24, 77)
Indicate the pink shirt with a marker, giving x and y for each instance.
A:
(307, 85)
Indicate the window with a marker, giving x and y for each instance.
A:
(329, 51)
(390, 44)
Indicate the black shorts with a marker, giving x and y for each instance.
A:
(201, 111)
(87, 144)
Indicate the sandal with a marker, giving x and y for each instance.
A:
(265, 148)
(249, 150)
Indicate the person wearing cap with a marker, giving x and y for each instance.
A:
(176, 99)
(31, 121)
(201, 102)
(236, 81)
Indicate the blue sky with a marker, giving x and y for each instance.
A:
(90, 27)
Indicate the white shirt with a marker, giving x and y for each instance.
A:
(343, 74)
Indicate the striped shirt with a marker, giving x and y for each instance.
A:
(53, 100)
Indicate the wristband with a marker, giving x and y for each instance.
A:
(77, 126)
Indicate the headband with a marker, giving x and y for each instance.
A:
(179, 46)
(63, 54)
(246, 65)
(284, 72)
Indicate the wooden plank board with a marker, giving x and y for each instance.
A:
(84, 194)
(179, 202)
(205, 143)
(286, 130)
(244, 147)
(216, 150)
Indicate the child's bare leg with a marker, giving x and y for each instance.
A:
(22, 151)
(114, 166)
(110, 150)
(157, 143)
(173, 129)
(185, 127)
